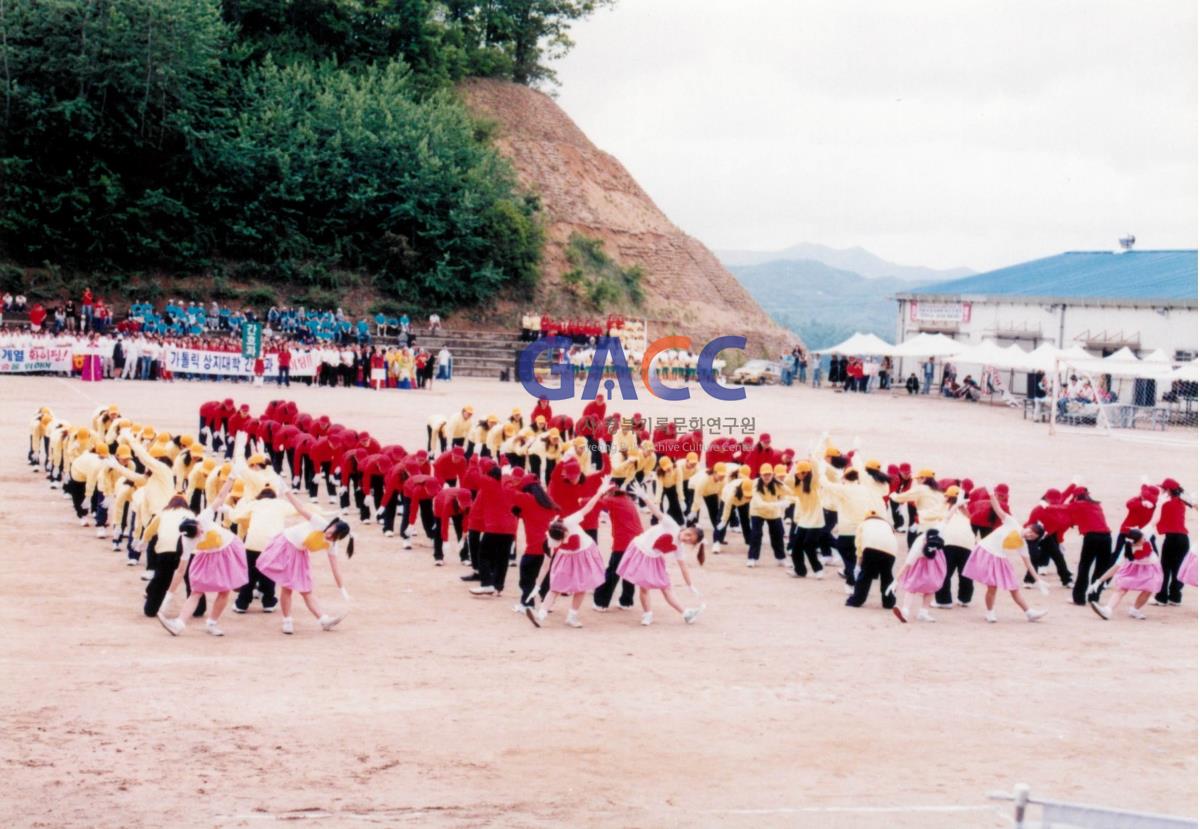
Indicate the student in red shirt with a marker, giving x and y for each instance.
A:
(284, 359)
(450, 507)
(1095, 556)
(535, 510)
(1172, 526)
(1055, 520)
(626, 525)
(496, 497)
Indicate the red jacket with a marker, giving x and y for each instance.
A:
(372, 467)
(1139, 511)
(623, 516)
(536, 520)
(497, 500)
(1171, 519)
(451, 501)
(1054, 518)
(450, 465)
(393, 481)
(1088, 517)
(420, 488)
(351, 463)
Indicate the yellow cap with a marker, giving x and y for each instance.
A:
(664, 463)
(743, 471)
(238, 490)
(196, 451)
(124, 453)
(46, 418)
(147, 432)
(952, 491)
(226, 468)
(469, 410)
(124, 423)
(832, 452)
(510, 429)
(747, 487)
(162, 437)
(720, 468)
(113, 409)
(83, 433)
(158, 451)
(692, 457)
(803, 467)
(925, 473)
(766, 469)
(872, 464)
(186, 441)
(553, 433)
(44, 410)
(648, 445)
(208, 465)
(102, 450)
(580, 442)
(516, 410)
(258, 459)
(780, 469)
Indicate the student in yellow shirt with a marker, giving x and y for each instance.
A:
(808, 520)
(767, 504)
(670, 488)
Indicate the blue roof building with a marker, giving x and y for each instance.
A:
(1153, 276)
(1100, 300)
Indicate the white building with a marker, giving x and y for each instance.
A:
(1099, 300)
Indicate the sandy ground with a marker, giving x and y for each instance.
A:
(780, 707)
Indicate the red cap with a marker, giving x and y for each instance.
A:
(1001, 489)
(906, 469)
(1170, 483)
(1052, 496)
(570, 468)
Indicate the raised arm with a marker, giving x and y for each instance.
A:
(604, 488)
(298, 505)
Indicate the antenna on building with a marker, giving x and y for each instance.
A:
(1126, 243)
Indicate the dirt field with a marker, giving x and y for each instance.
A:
(780, 707)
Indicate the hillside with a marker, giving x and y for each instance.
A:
(857, 260)
(824, 305)
(586, 191)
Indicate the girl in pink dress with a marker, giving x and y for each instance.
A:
(989, 562)
(645, 564)
(576, 566)
(1138, 570)
(285, 561)
(922, 574)
(215, 562)
(1187, 570)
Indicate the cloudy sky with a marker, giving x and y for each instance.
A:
(939, 133)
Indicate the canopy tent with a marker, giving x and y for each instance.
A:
(1124, 355)
(1157, 356)
(1187, 371)
(929, 345)
(860, 345)
(987, 353)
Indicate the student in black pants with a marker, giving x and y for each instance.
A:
(877, 540)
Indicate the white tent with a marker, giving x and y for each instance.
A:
(1157, 356)
(861, 345)
(929, 345)
(1041, 358)
(1124, 355)
(987, 353)
(1187, 371)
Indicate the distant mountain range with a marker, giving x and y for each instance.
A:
(825, 294)
(856, 260)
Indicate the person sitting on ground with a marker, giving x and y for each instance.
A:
(912, 385)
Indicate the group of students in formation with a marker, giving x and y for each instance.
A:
(225, 527)
(224, 513)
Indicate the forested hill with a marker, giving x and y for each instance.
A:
(312, 143)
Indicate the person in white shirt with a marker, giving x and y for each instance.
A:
(443, 364)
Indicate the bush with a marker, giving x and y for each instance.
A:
(259, 298)
(12, 279)
(597, 278)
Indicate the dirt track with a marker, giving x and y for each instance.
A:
(780, 707)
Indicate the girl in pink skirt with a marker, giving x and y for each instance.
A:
(215, 562)
(285, 561)
(576, 566)
(645, 564)
(989, 562)
(1138, 570)
(1187, 570)
(922, 574)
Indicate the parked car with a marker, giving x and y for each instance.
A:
(758, 373)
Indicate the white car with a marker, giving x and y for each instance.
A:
(758, 373)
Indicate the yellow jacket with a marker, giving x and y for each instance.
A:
(931, 504)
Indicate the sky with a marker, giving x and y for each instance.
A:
(943, 134)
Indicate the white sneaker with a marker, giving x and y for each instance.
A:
(328, 622)
(173, 626)
(691, 613)
(960, 604)
(820, 574)
(1102, 610)
(288, 627)
(102, 532)
(131, 562)
(924, 615)
(781, 562)
(991, 616)
(1134, 613)
(518, 608)
(647, 618)
(388, 533)
(83, 522)
(407, 545)
(751, 562)
(437, 562)
(598, 608)
(849, 590)
(482, 591)
(941, 606)
(541, 615)
(716, 548)
(147, 575)
(213, 630)
(573, 619)
(1033, 614)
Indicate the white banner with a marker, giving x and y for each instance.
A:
(945, 312)
(232, 363)
(19, 360)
